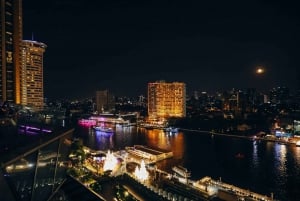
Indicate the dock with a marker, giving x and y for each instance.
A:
(228, 192)
(148, 154)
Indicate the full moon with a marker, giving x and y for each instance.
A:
(260, 70)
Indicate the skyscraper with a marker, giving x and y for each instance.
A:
(31, 74)
(166, 99)
(10, 40)
(104, 101)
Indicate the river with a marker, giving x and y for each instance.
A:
(260, 166)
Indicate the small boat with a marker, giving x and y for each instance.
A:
(104, 129)
(171, 129)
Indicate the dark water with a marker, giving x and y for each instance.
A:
(265, 167)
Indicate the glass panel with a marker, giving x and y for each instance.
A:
(44, 178)
(20, 176)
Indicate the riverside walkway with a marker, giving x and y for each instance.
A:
(239, 192)
(292, 140)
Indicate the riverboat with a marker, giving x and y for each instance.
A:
(171, 130)
(87, 122)
(104, 129)
(151, 126)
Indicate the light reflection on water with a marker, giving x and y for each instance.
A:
(255, 154)
(281, 159)
(265, 168)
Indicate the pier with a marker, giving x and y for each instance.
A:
(228, 192)
(147, 154)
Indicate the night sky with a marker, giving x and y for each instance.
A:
(123, 45)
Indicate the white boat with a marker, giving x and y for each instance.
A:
(104, 129)
(171, 129)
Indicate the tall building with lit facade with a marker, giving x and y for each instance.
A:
(10, 40)
(166, 99)
(31, 74)
(104, 101)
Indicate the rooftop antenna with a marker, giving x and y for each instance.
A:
(32, 36)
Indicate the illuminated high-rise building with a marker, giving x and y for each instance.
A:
(31, 74)
(10, 40)
(166, 99)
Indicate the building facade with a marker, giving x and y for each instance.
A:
(166, 99)
(10, 40)
(31, 74)
(104, 101)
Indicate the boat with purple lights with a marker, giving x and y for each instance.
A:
(104, 129)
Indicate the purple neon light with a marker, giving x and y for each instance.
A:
(28, 132)
(35, 128)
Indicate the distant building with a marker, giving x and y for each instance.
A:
(166, 99)
(279, 95)
(196, 95)
(233, 101)
(104, 101)
(31, 74)
(265, 98)
(296, 127)
(10, 40)
(141, 101)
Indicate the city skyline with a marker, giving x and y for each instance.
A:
(122, 46)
